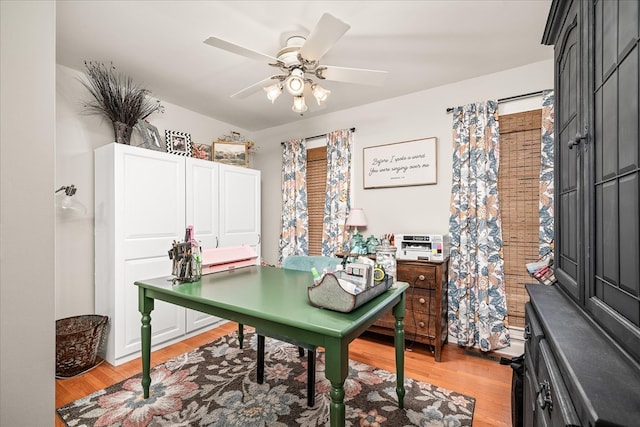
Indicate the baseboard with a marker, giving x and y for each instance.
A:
(515, 349)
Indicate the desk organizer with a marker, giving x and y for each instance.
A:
(329, 294)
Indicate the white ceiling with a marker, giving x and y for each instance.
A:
(422, 44)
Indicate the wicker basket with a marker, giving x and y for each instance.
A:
(78, 340)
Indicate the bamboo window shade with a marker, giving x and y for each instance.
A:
(316, 193)
(518, 191)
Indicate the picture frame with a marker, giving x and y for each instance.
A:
(230, 153)
(178, 143)
(401, 164)
(202, 151)
(150, 136)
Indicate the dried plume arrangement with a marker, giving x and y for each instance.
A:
(118, 97)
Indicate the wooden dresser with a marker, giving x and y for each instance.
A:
(425, 318)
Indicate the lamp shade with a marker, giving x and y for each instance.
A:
(273, 92)
(356, 218)
(321, 94)
(299, 106)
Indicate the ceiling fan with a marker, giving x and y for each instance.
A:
(299, 65)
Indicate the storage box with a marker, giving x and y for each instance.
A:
(328, 293)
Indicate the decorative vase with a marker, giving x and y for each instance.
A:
(122, 132)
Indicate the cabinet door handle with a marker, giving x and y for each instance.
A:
(527, 332)
(544, 396)
(577, 140)
(422, 301)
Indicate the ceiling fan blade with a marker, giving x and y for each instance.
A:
(253, 88)
(353, 75)
(325, 34)
(239, 50)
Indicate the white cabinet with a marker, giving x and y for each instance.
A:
(143, 202)
(239, 202)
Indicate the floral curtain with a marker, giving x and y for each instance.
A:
(337, 202)
(295, 221)
(477, 297)
(546, 176)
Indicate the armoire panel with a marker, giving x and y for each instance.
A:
(609, 34)
(627, 25)
(168, 319)
(629, 232)
(609, 141)
(620, 301)
(628, 116)
(607, 232)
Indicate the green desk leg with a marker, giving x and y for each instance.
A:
(145, 305)
(398, 313)
(240, 334)
(336, 371)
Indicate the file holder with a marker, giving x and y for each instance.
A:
(328, 293)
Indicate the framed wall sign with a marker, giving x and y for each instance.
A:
(401, 164)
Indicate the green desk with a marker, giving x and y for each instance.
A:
(275, 301)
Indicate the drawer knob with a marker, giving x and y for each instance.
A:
(421, 324)
(421, 277)
(422, 301)
(544, 396)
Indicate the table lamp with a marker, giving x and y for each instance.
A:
(356, 219)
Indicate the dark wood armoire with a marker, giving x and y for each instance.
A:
(582, 354)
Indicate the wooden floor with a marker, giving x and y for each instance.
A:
(486, 380)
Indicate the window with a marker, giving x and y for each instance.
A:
(316, 192)
(518, 188)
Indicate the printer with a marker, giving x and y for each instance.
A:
(430, 247)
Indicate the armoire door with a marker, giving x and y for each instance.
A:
(152, 190)
(202, 205)
(569, 122)
(139, 212)
(202, 201)
(239, 207)
(614, 289)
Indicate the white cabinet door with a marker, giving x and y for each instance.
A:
(139, 212)
(239, 207)
(168, 319)
(202, 201)
(202, 212)
(150, 201)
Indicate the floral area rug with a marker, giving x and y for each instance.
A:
(215, 385)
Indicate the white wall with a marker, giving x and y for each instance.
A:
(27, 129)
(423, 114)
(78, 135)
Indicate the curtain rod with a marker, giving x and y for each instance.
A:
(319, 136)
(511, 98)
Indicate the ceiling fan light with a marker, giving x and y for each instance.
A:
(273, 92)
(295, 85)
(321, 94)
(299, 106)
(295, 82)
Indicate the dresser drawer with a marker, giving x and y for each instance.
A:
(553, 402)
(418, 275)
(533, 333)
(420, 316)
(529, 392)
